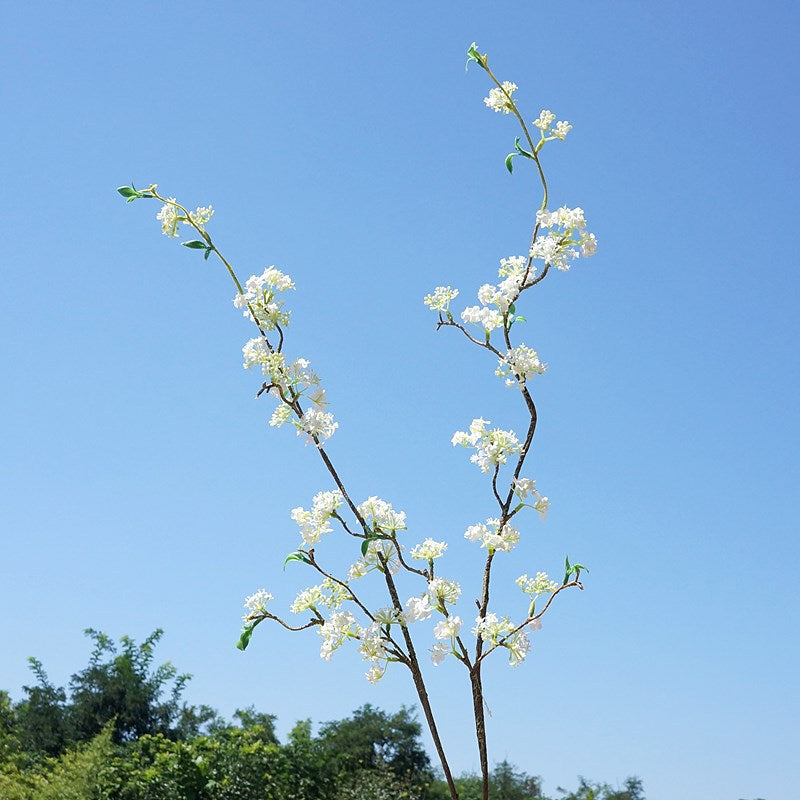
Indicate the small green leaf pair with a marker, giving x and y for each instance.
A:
(518, 151)
(572, 569)
(198, 244)
(131, 193)
(371, 538)
(474, 55)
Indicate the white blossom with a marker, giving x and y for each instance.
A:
(260, 301)
(568, 228)
(442, 590)
(441, 298)
(518, 647)
(169, 218)
(498, 99)
(545, 120)
(526, 486)
(439, 652)
(316, 423)
(256, 604)
(375, 673)
(447, 628)
(202, 216)
(562, 129)
(428, 550)
(490, 628)
(541, 584)
(308, 599)
(280, 416)
(492, 537)
(492, 447)
(380, 515)
(315, 522)
(335, 631)
(519, 365)
(417, 609)
(487, 318)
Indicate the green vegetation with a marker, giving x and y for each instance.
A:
(122, 732)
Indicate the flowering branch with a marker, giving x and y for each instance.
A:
(558, 238)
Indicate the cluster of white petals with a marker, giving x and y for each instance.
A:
(492, 536)
(519, 364)
(498, 99)
(316, 521)
(439, 652)
(513, 266)
(417, 609)
(492, 447)
(443, 590)
(487, 318)
(541, 584)
(567, 229)
(261, 301)
(379, 551)
(447, 628)
(169, 218)
(328, 594)
(318, 426)
(525, 487)
(256, 604)
(202, 216)
(545, 121)
(491, 628)
(428, 550)
(380, 515)
(441, 298)
(335, 631)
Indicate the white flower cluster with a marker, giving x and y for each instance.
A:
(492, 536)
(492, 447)
(260, 301)
(328, 594)
(499, 99)
(522, 363)
(567, 228)
(428, 550)
(380, 515)
(256, 604)
(441, 298)
(317, 425)
(315, 522)
(541, 584)
(546, 119)
(491, 629)
(446, 629)
(202, 216)
(335, 631)
(378, 551)
(526, 486)
(169, 218)
(500, 296)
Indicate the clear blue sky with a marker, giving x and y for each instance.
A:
(343, 142)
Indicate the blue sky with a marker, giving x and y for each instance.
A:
(343, 143)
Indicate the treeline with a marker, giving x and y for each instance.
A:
(123, 732)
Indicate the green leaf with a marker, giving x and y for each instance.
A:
(207, 253)
(364, 546)
(532, 608)
(512, 309)
(247, 634)
(521, 150)
(297, 556)
(520, 319)
(195, 244)
(474, 55)
(509, 165)
(128, 191)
